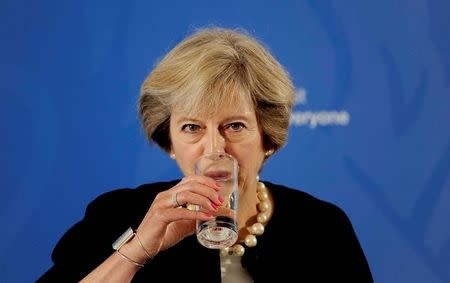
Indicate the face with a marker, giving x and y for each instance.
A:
(232, 129)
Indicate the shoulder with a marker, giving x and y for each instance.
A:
(301, 203)
(122, 207)
(289, 196)
(129, 197)
(139, 191)
(108, 215)
(88, 242)
(326, 235)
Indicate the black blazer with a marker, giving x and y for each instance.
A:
(306, 240)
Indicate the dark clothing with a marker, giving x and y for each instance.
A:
(306, 240)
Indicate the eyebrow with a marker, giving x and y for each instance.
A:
(237, 117)
(183, 119)
(228, 119)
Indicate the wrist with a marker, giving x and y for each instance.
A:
(134, 251)
(130, 248)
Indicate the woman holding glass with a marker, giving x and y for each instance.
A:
(218, 91)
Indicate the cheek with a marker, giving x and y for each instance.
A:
(186, 157)
(250, 157)
(184, 167)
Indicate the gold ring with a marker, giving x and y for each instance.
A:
(175, 201)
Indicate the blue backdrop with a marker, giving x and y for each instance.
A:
(370, 131)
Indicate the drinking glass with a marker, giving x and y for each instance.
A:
(220, 231)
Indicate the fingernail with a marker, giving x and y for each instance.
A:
(221, 199)
(214, 205)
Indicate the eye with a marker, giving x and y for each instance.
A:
(190, 128)
(235, 126)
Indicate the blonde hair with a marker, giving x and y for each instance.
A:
(211, 67)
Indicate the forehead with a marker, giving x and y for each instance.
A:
(207, 106)
(241, 109)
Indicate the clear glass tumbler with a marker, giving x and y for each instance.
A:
(220, 231)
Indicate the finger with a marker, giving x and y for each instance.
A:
(206, 200)
(207, 181)
(197, 188)
(181, 213)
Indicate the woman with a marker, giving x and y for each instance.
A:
(218, 90)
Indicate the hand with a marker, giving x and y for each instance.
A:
(164, 225)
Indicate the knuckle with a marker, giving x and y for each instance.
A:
(159, 196)
(191, 184)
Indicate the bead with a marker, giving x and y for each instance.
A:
(262, 191)
(262, 217)
(250, 241)
(238, 250)
(257, 229)
(225, 251)
(263, 206)
(261, 185)
(263, 196)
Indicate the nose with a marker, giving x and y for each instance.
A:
(214, 141)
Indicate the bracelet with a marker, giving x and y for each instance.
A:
(129, 259)
(125, 238)
(142, 246)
